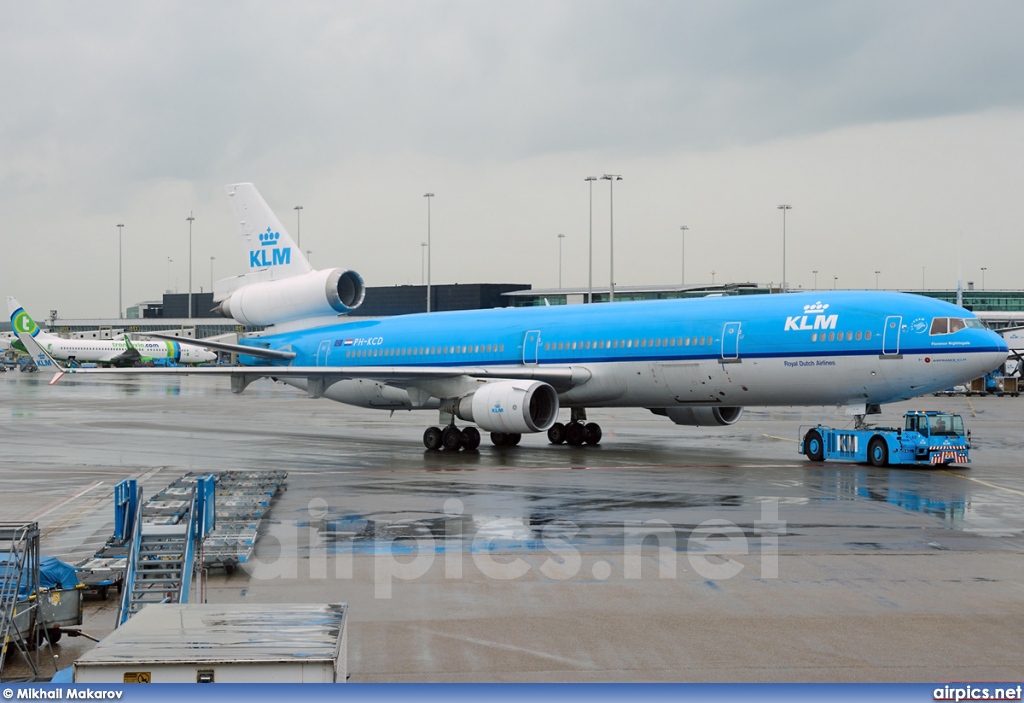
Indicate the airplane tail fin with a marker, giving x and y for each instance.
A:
(268, 247)
(21, 321)
(27, 330)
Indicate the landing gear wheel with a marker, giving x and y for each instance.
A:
(470, 438)
(814, 448)
(499, 439)
(594, 433)
(513, 438)
(451, 438)
(878, 452)
(432, 438)
(556, 435)
(575, 434)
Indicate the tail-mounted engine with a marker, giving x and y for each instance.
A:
(315, 294)
(701, 416)
(510, 406)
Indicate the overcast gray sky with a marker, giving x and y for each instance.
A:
(894, 129)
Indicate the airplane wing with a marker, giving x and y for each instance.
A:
(125, 358)
(562, 378)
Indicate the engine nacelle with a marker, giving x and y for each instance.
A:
(314, 294)
(510, 406)
(701, 416)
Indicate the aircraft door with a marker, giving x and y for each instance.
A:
(891, 335)
(531, 343)
(731, 341)
(322, 352)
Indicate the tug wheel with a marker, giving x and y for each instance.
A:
(878, 452)
(814, 447)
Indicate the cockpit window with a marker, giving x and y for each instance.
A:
(974, 323)
(949, 325)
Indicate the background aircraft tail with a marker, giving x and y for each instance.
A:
(27, 330)
(21, 321)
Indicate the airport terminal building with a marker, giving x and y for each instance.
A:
(999, 308)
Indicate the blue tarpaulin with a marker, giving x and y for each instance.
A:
(53, 574)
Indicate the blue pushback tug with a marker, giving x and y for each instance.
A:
(927, 438)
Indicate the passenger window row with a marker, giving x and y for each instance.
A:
(840, 336)
(387, 352)
(629, 343)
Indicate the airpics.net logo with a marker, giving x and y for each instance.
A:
(21, 322)
(277, 255)
(814, 318)
(455, 545)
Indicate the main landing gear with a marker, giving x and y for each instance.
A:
(577, 432)
(451, 438)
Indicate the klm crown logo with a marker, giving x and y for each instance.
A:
(278, 255)
(814, 318)
(497, 408)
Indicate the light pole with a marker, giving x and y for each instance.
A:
(983, 270)
(190, 219)
(560, 238)
(590, 265)
(121, 313)
(784, 208)
(211, 273)
(429, 197)
(922, 278)
(815, 272)
(835, 280)
(611, 178)
(876, 279)
(298, 226)
(169, 260)
(682, 255)
(309, 253)
(712, 277)
(423, 263)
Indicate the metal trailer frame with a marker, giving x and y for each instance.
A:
(22, 628)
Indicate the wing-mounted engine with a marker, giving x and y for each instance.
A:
(510, 406)
(314, 294)
(701, 416)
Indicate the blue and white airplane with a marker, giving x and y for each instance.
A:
(511, 371)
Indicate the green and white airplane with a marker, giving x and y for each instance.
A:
(114, 352)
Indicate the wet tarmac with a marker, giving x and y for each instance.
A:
(666, 553)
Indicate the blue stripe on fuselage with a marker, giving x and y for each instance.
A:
(771, 326)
